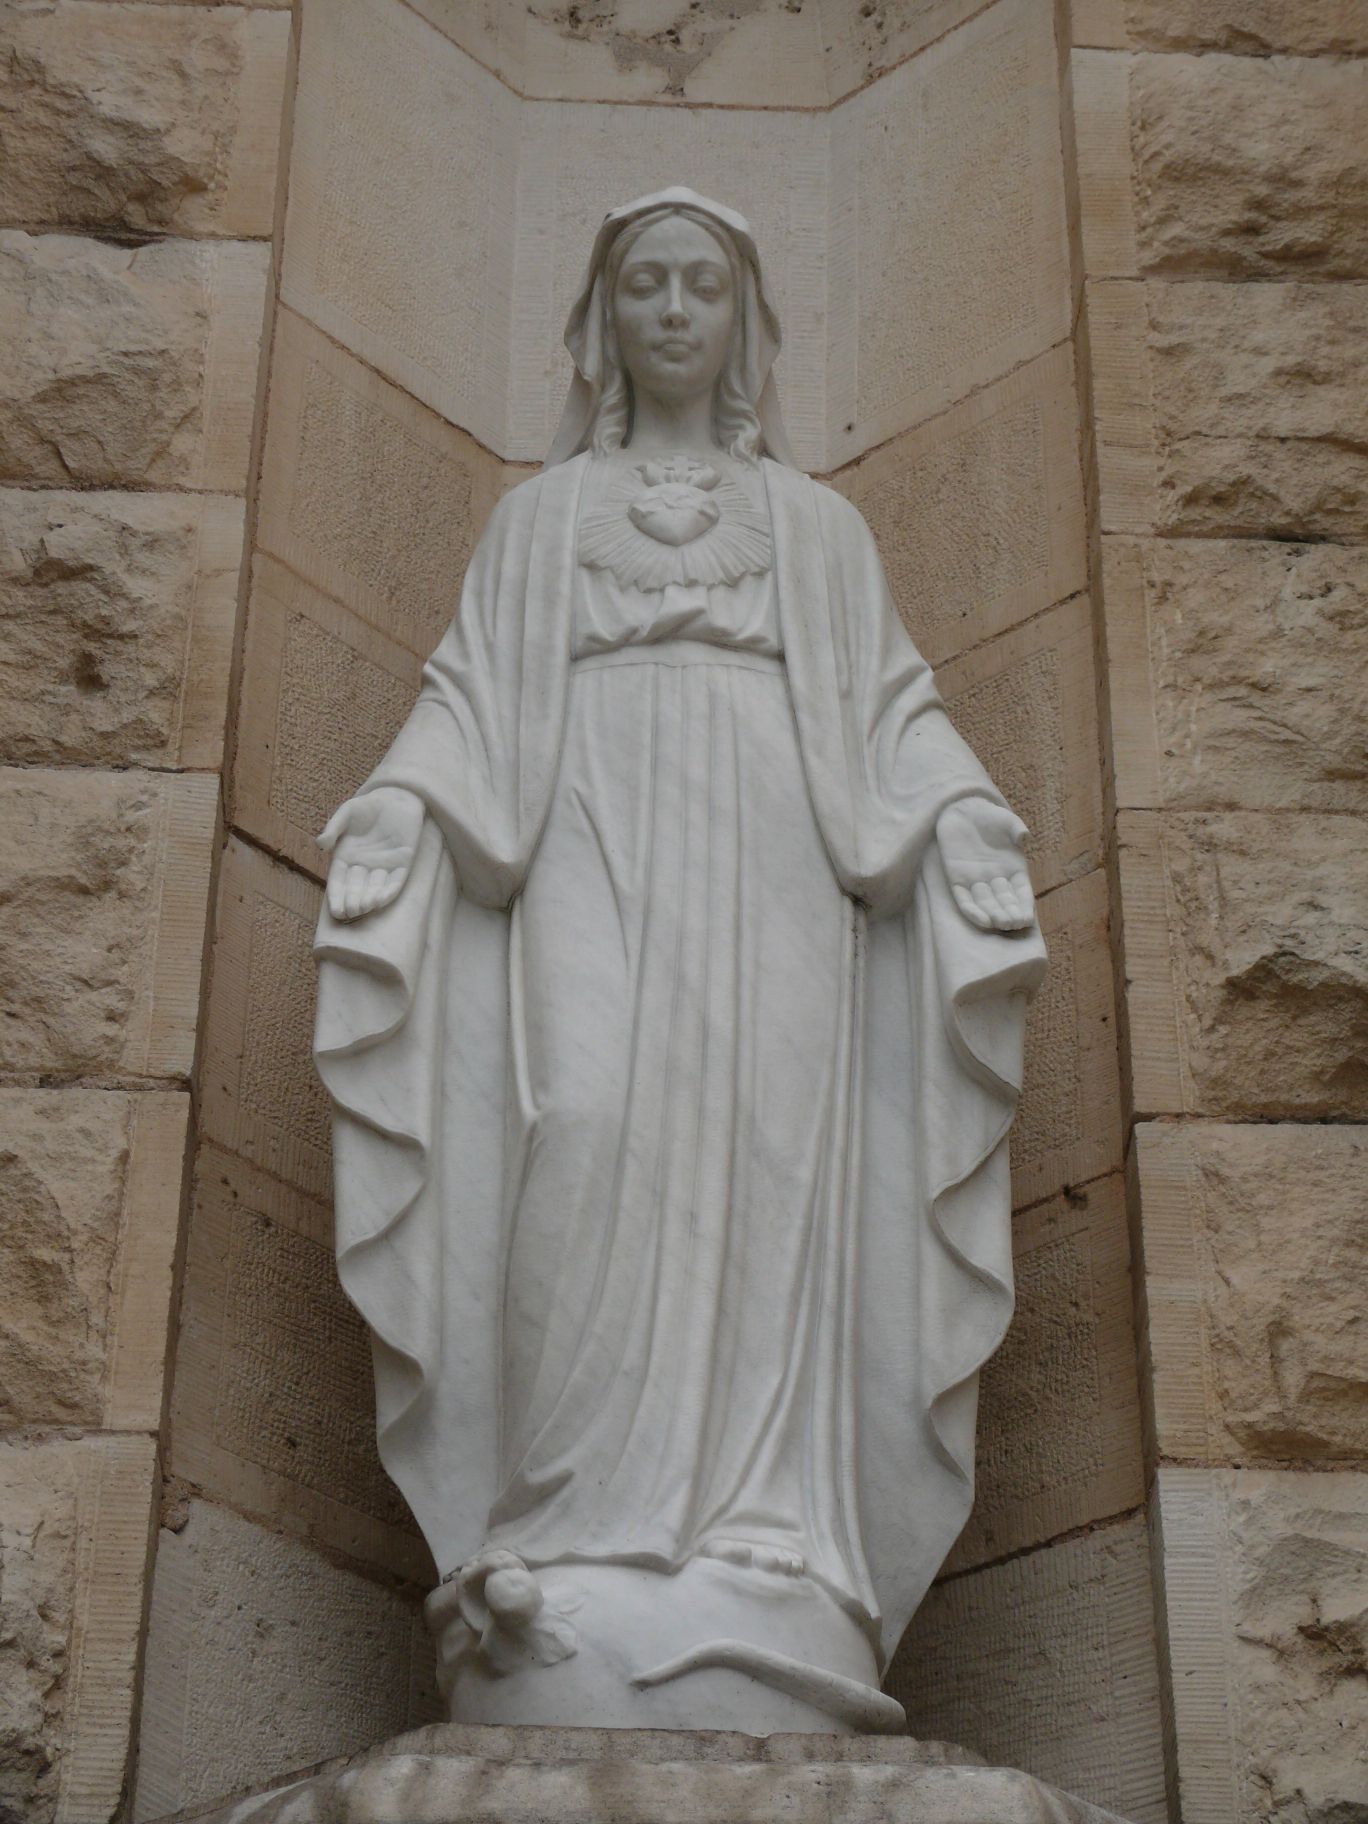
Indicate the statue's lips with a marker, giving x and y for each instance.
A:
(673, 349)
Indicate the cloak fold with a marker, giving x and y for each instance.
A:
(412, 1034)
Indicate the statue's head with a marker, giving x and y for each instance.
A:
(673, 305)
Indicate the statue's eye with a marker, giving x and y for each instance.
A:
(641, 284)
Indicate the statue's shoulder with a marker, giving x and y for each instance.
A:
(837, 516)
(521, 500)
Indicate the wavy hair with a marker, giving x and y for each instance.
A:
(736, 425)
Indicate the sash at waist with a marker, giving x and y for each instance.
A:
(680, 652)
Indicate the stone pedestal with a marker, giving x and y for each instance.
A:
(454, 1772)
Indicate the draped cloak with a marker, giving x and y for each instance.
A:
(413, 1032)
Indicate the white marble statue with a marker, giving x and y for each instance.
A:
(673, 974)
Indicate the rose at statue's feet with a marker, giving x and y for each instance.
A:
(372, 839)
(980, 845)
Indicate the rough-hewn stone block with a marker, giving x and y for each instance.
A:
(1247, 27)
(274, 1407)
(365, 492)
(1068, 1127)
(979, 513)
(104, 883)
(1047, 1662)
(1238, 671)
(323, 695)
(143, 119)
(1251, 166)
(1059, 1414)
(92, 1182)
(262, 1657)
(1263, 1580)
(1027, 705)
(261, 1097)
(118, 614)
(128, 364)
(1256, 1282)
(1231, 410)
(1261, 408)
(947, 254)
(1248, 985)
(74, 1547)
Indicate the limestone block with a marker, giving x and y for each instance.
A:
(388, 115)
(323, 695)
(1047, 1662)
(979, 513)
(129, 364)
(118, 614)
(145, 120)
(947, 206)
(261, 1098)
(74, 1545)
(1256, 1282)
(1068, 1126)
(1237, 672)
(263, 1656)
(1231, 410)
(644, 1776)
(1249, 27)
(366, 493)
(1027, 705)
(1251, 167)
(274, 1408)
(1245, 963)
(1059, 1413)
(1263, 1591)
(104, 884)
(92, 1182)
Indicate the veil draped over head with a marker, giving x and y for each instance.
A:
(586, 330)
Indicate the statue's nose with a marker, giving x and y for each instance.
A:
(674, 315)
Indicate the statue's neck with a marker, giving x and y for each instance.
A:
(668, 425)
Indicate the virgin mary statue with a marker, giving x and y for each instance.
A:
(673, 972)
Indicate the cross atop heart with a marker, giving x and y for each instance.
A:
(676, 506)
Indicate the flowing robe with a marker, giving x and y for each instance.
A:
(510, 1385)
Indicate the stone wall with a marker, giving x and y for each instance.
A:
(1070, 307)
(1221, 159)
(137, 192)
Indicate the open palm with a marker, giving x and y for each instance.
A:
(980, 844)
(373, 840)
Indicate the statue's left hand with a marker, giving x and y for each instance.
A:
(980, 844)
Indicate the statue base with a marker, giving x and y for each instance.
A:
(451, 1772)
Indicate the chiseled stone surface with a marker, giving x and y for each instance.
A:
(75, 1518)
(1264, 1585)
(1248, 983)
(1059, 1417)
(1239, 673)
(118, 614)
(1047, 1662)
(1261, 408)
(1251, 167)
(273, 1407)
(261, 1096)
(128, 364)
(1256, 1277)
(264, 1656)
(690, 1777)
(104, 880)
(146, 119)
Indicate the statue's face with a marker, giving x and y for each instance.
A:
(674, 305)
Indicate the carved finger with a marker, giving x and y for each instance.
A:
(356, 887)
(984, 897)
(332, 829)
(394, 880)
(337, 890)
(376, 882)
(967, 904)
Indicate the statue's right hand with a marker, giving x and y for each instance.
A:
(373, 840)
